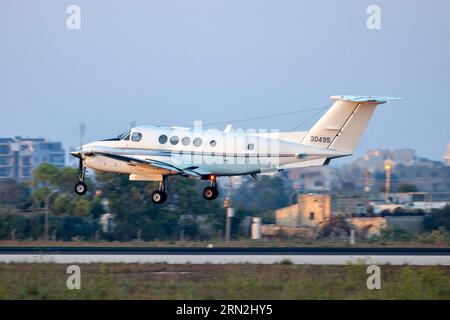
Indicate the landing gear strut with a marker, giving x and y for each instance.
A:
(80, 186)
(211, 192)
(160, 196)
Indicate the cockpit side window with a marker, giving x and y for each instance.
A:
(136, 136)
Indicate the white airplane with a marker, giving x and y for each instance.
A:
(152, 153)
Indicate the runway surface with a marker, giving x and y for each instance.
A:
(223, 255)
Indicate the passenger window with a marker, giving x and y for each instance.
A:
(174, 140)
(250, 146)
(213, 143)
(162, 139)
(185, 141)
(136, 136)
(197, 142)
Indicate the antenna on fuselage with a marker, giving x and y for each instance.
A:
(227, 128)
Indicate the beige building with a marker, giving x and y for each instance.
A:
(310, 210)
(372, 226)
(368, 226)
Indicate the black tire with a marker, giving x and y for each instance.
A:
(210, 193)
(80, 188)
(159, 197)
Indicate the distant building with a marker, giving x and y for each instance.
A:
(368, 226)
(373, 226)
(447, 156)
(310, 211)
(410, 201)
(374, 159)
(352, 203)
(406, 171)
(310, 179)
(429, 176)
(20, 156)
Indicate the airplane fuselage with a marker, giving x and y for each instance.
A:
(203, 152)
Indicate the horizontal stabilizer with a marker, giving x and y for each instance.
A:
(374, 99)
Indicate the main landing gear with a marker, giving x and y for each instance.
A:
(80, 186)
(211, 192)
(160, 196)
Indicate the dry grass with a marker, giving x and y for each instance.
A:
(242, 281)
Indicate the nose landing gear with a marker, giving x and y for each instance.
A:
(211, 192)
(80, 186)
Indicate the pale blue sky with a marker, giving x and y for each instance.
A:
(173, 62)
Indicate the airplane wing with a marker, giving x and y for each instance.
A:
(184, 170)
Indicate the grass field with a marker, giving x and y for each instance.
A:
(242, 281)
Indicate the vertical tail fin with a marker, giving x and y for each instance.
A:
(342, 126)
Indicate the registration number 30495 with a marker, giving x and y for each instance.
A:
(320, 139)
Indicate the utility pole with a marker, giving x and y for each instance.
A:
(230, 214)
(366, 181)
(47, 208)
(230, 210)
(387, 168)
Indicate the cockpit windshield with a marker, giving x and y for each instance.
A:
(125, 135)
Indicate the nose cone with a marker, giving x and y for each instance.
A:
(85, 150)
(76, 153)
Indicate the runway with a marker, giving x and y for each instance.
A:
(227, 255)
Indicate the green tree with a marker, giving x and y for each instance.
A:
(130, 203)
(48, 177)
(437, 218)
(13, 193)
(267, 193)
